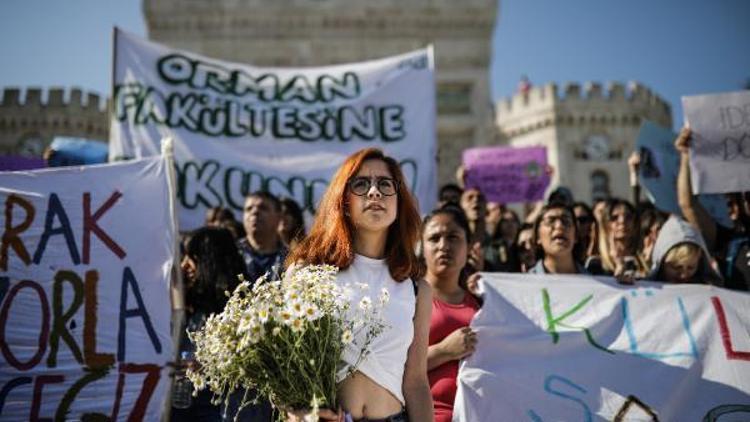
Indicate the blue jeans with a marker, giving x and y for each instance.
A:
(260, 412)
(201, 410)
(401, 416)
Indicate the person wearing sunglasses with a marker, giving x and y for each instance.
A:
(555, 239)
(368, 226)
(618, 242)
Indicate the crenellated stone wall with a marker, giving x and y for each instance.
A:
(323, 32)
(31, 118)
(565, 119)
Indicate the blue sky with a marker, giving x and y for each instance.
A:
(676, 47)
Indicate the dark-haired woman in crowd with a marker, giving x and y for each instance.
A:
(445, 249)
(586, 231)
(650, 221)
(498, 254)
(524, 248)
(555, 239)
(210, 266)
(292, 223)
(236, 228)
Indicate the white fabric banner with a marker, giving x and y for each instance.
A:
(578, 348)
(720, 148)
(84, 292)
(239, 128)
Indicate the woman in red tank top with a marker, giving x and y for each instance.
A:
(445, 234)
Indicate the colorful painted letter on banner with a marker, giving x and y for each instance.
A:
(660, 164)
(84, 292)
(507, 174)
(576, 348)
(720, 148)
(239, 128)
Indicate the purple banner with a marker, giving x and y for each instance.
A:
(507, 174)
(17, 163)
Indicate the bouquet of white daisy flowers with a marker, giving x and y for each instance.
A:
(285, 339)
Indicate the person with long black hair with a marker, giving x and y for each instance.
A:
(210, 267)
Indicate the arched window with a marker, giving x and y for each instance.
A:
(599, 185)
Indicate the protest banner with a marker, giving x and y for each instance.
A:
(85, 268)
(660, 164)
(507, 174)
(17, 162)
(720, 146)
(239, 128)
(572, 348)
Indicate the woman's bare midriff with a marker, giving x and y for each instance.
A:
(362, 397)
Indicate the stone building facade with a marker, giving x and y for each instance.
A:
(30, 119)
(588, 132)
(323, 32)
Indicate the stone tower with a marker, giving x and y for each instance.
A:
(29, 122)
(323, 32)
(588, 134)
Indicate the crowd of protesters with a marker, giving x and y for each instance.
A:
(630, 240)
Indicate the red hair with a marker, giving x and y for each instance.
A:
(331, 238)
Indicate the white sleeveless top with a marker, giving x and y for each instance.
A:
(387, 358)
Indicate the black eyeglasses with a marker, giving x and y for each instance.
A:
(361, 185)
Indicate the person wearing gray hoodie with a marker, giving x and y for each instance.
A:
(680, 256)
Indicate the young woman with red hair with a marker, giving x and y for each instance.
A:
(368, 225)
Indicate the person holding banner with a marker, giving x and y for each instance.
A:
(731, 247)
(368, 226)
(680, 255)
(556, 242)
(618, 242)
(445, 249)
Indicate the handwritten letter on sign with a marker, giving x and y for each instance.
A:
(239, 128)
(576, 348)
(507, 174)
(84, 292)
(660, 164)
(720, 149)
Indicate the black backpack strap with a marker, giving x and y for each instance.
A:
(416, 287)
